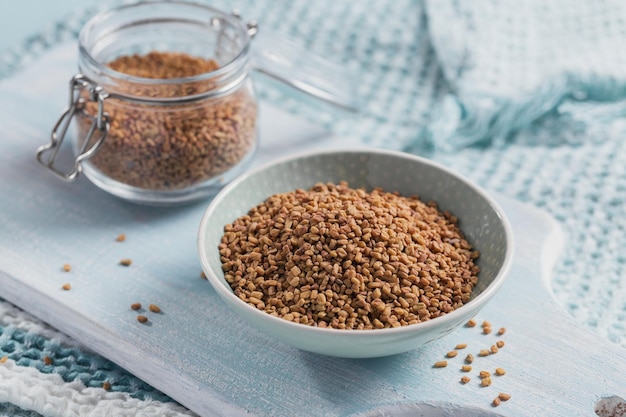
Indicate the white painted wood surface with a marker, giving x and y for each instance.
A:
(197, 352)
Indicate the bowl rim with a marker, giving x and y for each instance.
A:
(220, 285)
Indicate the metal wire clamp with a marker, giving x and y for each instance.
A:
(47, 154)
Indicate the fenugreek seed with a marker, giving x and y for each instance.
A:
(47, 360)
(126, 262)
(486, 324)
(142, 319)
(154, 308)
(500, 343)
(471, 323)
(486, 330)
(465, 379)
(466, 368)
(203, 275)
(469, 358)
(135, 306)
(67, 286)
(441, 364)
(106, 385)
(452, 354)
(504, 396)
(254, 300)
(484, 374)
(500, 371)
(484, 352)
(485, 382)
(501, 331)
(493, 349)
(120, 238)
(461, 346)
(321, 299)
(67, 267)
(255, 294)
(4, 359)
(495, 402)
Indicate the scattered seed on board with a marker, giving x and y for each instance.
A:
(120, 238)
(452, 354)
(136, 306)
(154, 308)
(441, 364)
(485, 376)
(47, 360)
(4, 359)
(504, 396)
(106, 385)
(67, 267)
(203, 275)
(142, 319)
(67, 286)
(126, 262)
(486, 327)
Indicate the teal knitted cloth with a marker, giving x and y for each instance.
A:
(526, 100)
(521, 68)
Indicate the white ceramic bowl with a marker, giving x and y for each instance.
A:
(482, 221)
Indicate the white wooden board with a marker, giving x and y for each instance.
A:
(201, 355)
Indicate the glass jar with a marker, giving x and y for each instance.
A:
(164, 105)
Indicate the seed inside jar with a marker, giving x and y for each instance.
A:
(334, 256)
(174, 146)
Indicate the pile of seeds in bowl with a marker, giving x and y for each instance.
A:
(345, 258)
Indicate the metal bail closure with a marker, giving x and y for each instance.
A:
(47, 154)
